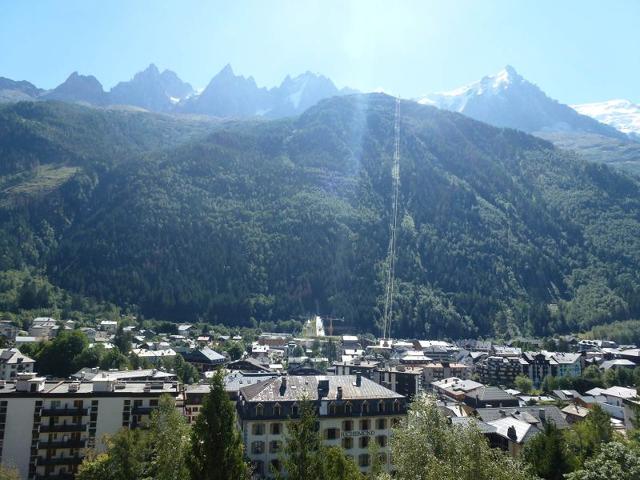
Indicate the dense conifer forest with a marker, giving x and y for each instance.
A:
(188, 219)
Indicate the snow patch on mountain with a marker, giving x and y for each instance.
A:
(622, 114)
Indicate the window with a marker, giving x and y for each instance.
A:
(257, 429)
(363, 442)
(331, 433)
(364, 424)
(332, 408)
(347, 425)
(275, 446)
(347, 443)
(381, 440)
(277, 410)
(395, 422)
(153, 403)
(257, 448)
(347, 408)
(276, 428)
(294, 410)
(381, 423)
(363, 460)
(396, 406)
(380, 406)
(365, 407)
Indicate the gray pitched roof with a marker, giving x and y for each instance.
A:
(298, 387)
(551, 412)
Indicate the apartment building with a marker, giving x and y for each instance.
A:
(47, 427)
(353, 411)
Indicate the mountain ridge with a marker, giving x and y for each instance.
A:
(260, 221)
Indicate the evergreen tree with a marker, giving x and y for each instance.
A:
(304, 456)
(548, 455)
(216, 446)
(302, 444)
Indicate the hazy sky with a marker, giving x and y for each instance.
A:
(577, 51)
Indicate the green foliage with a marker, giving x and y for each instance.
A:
(158, 452)
(261, 222)
(548, 454)
(523, 383)
(615, 461)
(428, 447)
(305, 458)
(8, 473)
(625, 333)
(586, 438)
(234, 349)
(59, 356)
(216, 446)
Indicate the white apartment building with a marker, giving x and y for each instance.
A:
(352, 411)
(46, 427)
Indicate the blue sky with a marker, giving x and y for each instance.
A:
(577, 51)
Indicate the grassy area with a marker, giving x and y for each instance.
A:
(40, 181)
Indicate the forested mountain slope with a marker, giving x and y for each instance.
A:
(500, 231)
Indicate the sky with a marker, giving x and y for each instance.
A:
(576, 51)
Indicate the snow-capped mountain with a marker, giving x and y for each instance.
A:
(231, 95)
(506, 99)
(227, 95)
(620, 114)
(151, 90)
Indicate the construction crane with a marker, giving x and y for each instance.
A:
(331, 320)
(391, 254)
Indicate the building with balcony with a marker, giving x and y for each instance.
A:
(47, 427)
(352, 411)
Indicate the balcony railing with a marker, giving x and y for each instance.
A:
(64, 412)
(75, 460)
(64, 427)
(43, 445)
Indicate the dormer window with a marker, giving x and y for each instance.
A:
(277, 410)
(380, 406)
(259, 410)
(365, 407)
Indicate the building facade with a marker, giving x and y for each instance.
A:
(352, 411)
(47, 427)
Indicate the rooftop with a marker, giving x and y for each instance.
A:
(294, 388)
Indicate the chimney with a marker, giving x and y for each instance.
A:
(511, 433)
(358, 380)
(323, 388)
(283, 385)
(542, 413)
(339, 395)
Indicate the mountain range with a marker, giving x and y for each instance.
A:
(227, 95)
(506, 99)
(187, 218)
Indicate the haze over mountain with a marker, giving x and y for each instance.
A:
(227, 95)
(245, 221)
(506, 99)
(151, 90)
(620, 114)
